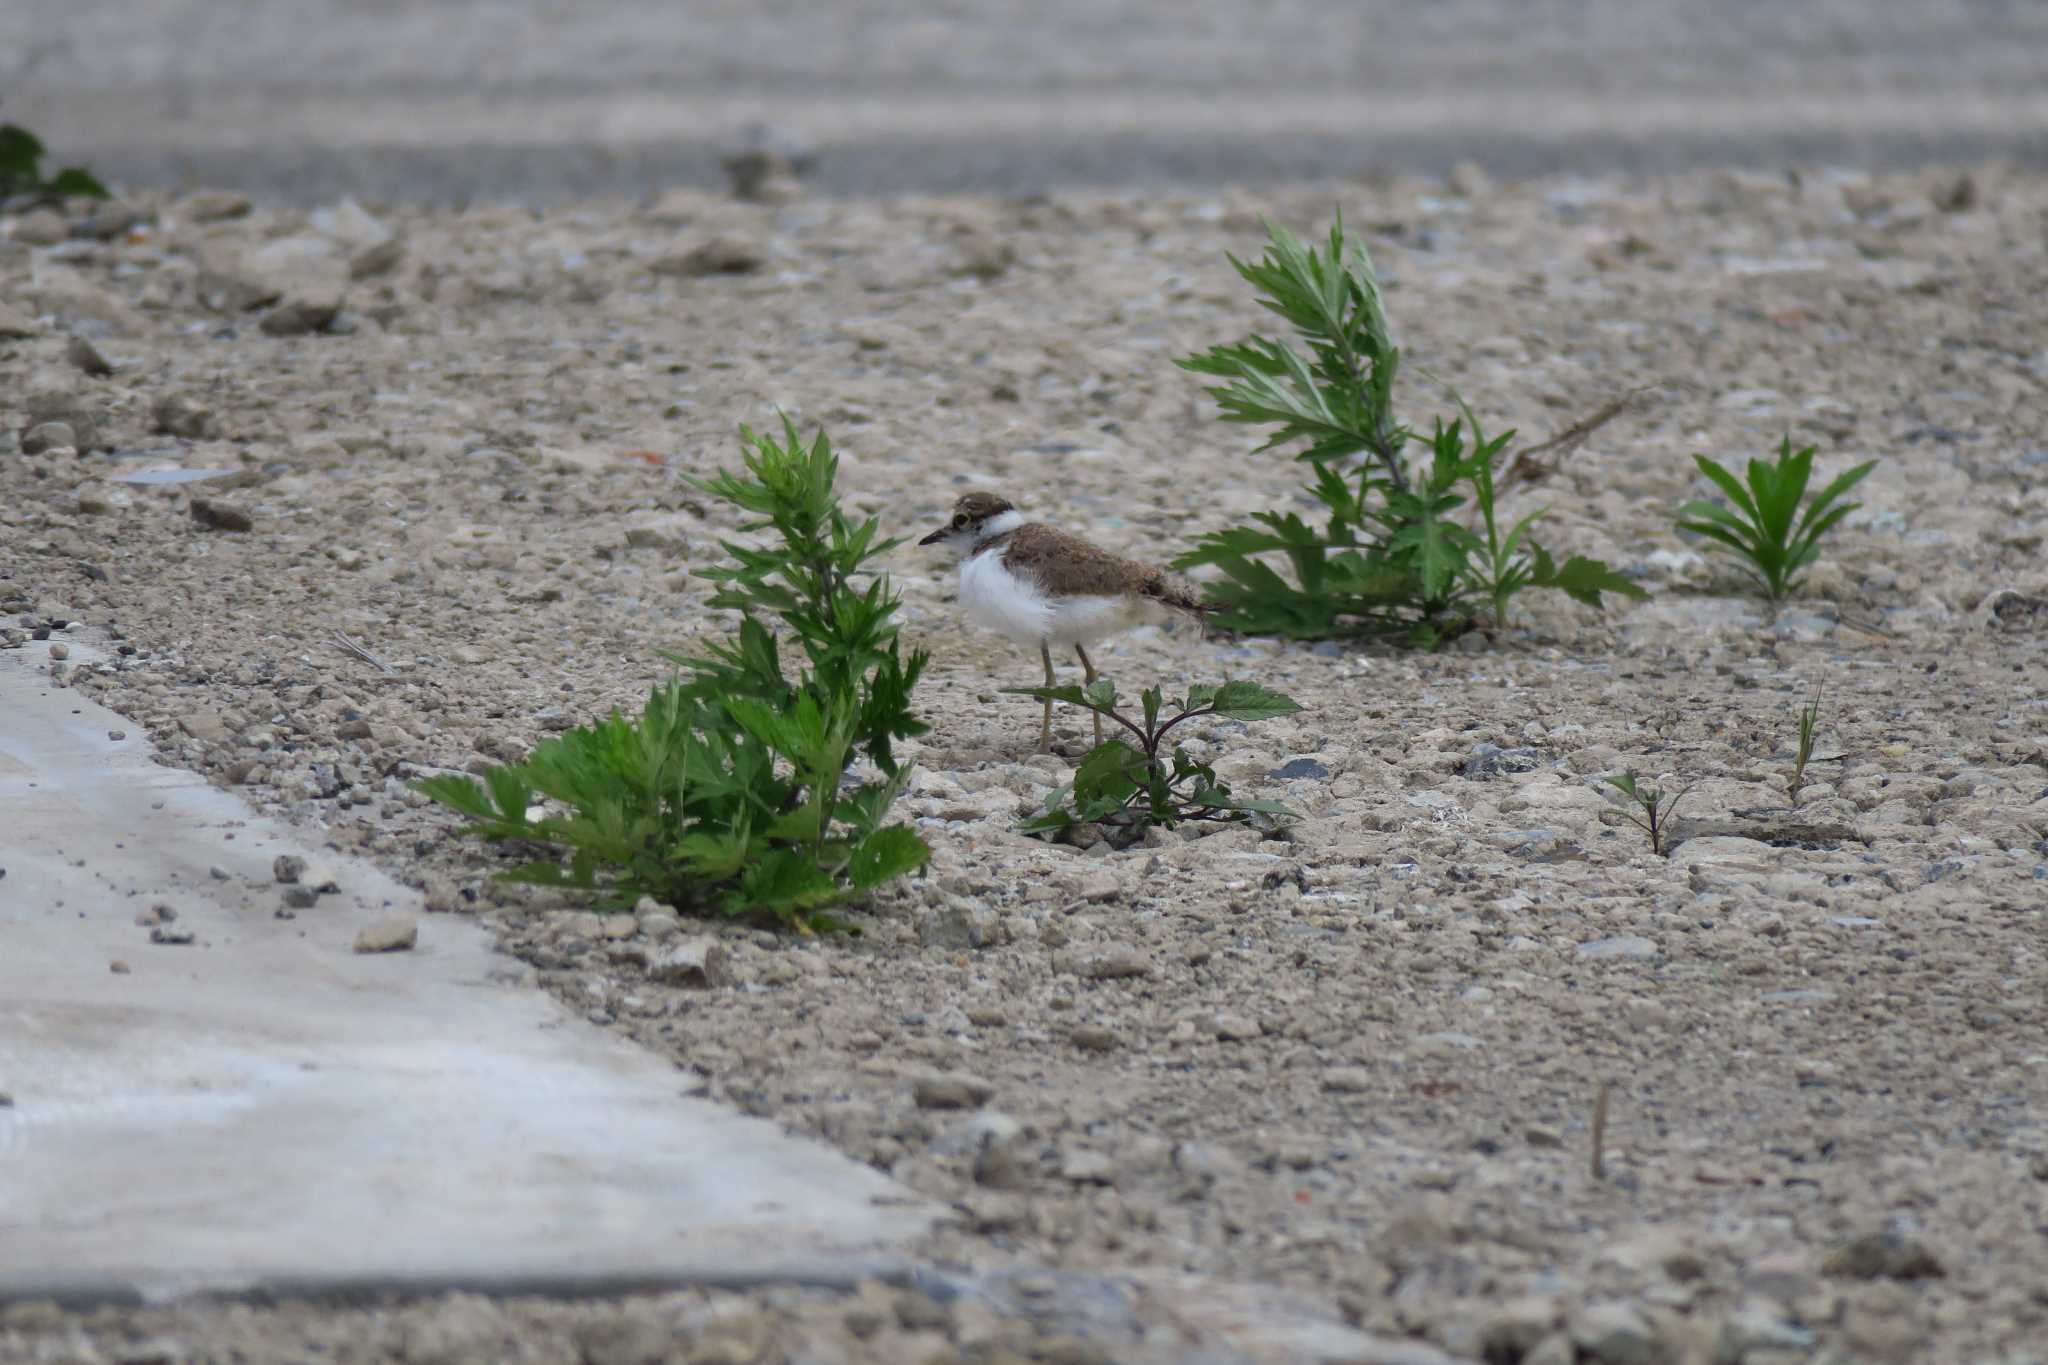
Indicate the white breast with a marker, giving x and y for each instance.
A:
(999, 600)
(1017, 608)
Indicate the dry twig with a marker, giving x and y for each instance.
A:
(1529, 463)
(344, 642)
(1600, 1132)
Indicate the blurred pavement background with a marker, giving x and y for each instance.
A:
(547, 100)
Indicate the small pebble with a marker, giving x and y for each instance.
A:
(1092, 1038)
(47, 437)
(1347, 1080)
(1887, 1255)
(1627, 948)
(88, 358)
(1235, 1028)
(394, 934)
(220, 516)
(1085, 1167)
(951, 1092)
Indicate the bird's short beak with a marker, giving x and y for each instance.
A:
(935, 537)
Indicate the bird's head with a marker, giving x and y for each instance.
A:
(976, 518)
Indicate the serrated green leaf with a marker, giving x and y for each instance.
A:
(1044, 821)
(1238, 542)
(1243, 699)
(1584, 580)
(800, 826)
(712, 855)
(79, 182)
(1437, 546)
(20, 154)
(785, 881)
(510, 792)
(1215, 799)
(1151, 700)
(462, 794)
(1107, 769)
(1624, 782)
(890, 852)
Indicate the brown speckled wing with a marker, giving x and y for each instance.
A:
(1069, 566)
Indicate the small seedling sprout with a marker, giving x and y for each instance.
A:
(1809, 715)
(1764, 525)
(1125, 786)
(1809, 735)
(1652, 808)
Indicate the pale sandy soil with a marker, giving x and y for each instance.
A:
(1359, 1062)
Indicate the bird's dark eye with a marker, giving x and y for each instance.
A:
(959, 519)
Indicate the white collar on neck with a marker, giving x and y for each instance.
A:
(1001, 524)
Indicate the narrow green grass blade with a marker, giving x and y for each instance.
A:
(1842, 484)
(1779, 488)
(1725, 529)
(1728, 484)
(1808, 543)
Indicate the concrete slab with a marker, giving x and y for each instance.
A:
(263, 1109)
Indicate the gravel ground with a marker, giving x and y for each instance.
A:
(1360, 1062)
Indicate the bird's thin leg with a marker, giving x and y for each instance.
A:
(1045, 729)
(1089, 669)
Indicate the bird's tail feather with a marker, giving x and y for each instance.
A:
(1180, 595)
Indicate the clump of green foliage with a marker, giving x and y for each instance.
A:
(1126, 786)
(735, 791)
(1648, 808)
(21, 170)
(1400, 553)
(1765, 526)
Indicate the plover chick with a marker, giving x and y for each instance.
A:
(1039, 586)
